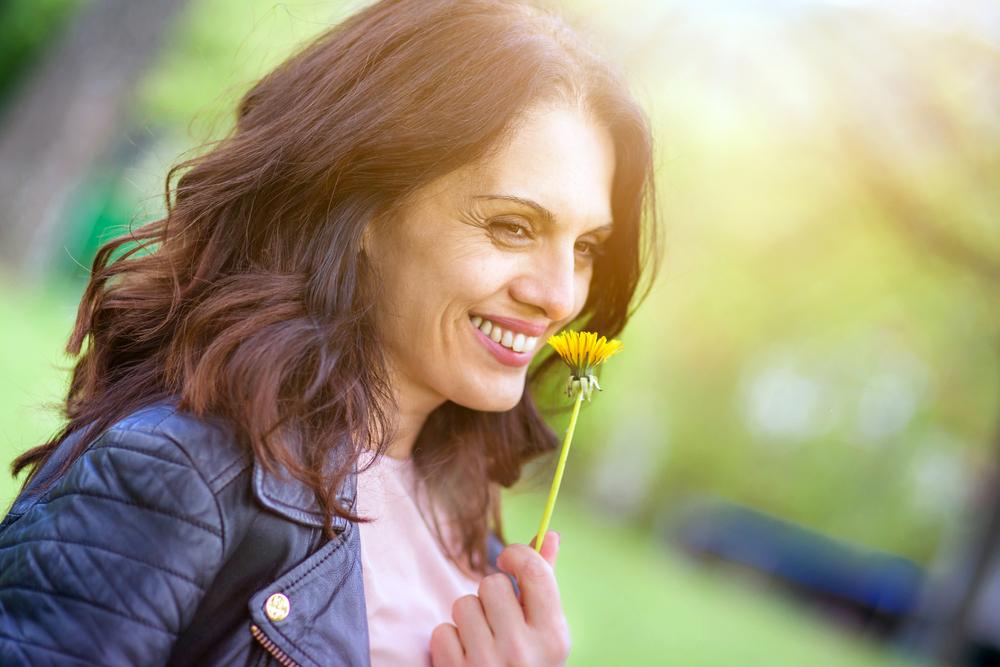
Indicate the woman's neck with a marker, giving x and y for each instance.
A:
(414, 403)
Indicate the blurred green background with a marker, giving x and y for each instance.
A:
(821, 346)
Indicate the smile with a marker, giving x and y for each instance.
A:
(509, 348)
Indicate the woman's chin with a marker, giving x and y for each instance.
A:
(499, 400)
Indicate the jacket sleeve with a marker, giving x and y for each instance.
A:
(109, 564)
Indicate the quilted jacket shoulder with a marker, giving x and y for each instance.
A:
(120, 550)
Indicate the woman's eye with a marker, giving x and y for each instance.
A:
(512, 230)
(589, 249)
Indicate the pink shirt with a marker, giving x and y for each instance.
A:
(410, 585)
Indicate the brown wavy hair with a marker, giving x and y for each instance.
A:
(252, 300)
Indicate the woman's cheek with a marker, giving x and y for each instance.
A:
(583, 290)
(489, 271)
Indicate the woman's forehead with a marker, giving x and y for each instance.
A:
(555, 143)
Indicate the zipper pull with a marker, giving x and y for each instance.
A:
(272, 648)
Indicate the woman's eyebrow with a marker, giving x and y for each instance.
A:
(545, 214)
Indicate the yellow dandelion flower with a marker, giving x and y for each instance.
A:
(583, 352)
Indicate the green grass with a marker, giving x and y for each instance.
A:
(627, 601)
(32, 366)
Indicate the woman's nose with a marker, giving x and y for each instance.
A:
(550, 283)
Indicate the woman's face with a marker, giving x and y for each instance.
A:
(483, 264)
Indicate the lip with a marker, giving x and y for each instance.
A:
(513, 325)
(504, 355)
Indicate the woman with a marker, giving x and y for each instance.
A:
(300, 392)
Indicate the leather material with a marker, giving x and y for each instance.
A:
(161, 545)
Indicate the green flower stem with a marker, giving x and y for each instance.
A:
(554, 490)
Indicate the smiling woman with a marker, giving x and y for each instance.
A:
(516, 266)
(293, 412)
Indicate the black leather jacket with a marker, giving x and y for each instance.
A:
(165, 543)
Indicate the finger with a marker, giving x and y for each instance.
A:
(446, 647)
(503, 609)
(473, 630)
(537, 582)
(550, 547)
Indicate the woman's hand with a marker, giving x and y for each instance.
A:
(499, 629)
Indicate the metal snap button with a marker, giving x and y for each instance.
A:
(277, 607)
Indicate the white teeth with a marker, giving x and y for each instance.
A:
(517, 342)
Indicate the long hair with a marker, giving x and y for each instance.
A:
(252, 299)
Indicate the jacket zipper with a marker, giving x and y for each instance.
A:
(271, 647)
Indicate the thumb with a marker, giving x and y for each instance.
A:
(550, 547)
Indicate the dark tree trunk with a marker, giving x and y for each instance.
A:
(68, 110)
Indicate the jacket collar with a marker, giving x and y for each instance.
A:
(285, 495)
